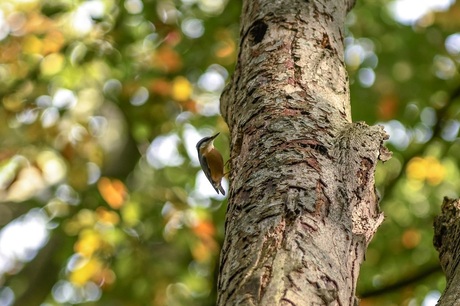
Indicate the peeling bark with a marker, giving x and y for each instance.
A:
(302, 204)
(447, 243)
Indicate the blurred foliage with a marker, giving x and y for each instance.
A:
(102, 102)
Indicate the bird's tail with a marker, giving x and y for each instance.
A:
(221, 189)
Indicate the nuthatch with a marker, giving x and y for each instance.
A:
(211, 162)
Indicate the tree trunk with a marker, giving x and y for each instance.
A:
(447, 242)
(302, 205)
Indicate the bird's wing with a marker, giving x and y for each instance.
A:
(207, 172)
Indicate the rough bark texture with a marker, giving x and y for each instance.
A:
(302, 205)
(447, 242)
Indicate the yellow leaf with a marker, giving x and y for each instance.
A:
(427, 169)
(182, 89)
(32, 45)
(88, 243)
(436, 171)
(52, 64)
(131, 213)
(416, 169)
(83, 274)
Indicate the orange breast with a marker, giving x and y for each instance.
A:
(216, 165)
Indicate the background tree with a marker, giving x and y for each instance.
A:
(102, 103)
(446, 228)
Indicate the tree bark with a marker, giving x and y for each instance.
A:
(447, 243)
(302, 205)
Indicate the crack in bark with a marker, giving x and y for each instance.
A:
(286, 300)
(265, 280)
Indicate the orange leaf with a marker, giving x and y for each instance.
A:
(411, 238)
(161, 87)
(167, 60)
(113, 191)
(204, 229)
(387, 107)
(106, 216)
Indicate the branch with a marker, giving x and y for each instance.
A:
(404, 282)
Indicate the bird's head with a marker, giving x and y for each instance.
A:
(206, 143)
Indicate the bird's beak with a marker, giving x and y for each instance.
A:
(213, 137)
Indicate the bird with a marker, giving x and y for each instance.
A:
(211, 162)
